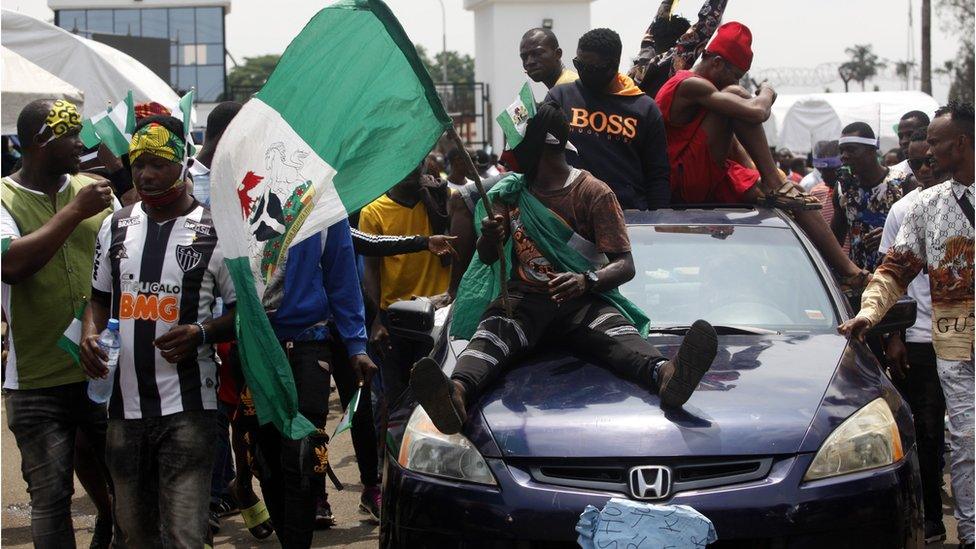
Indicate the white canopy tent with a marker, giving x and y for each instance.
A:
(22, 82)
(822, 116)
(101, 72)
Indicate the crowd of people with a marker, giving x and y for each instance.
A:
(178, 444)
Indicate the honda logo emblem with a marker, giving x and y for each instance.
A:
(650, 482)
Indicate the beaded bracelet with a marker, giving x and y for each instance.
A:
(203, 332)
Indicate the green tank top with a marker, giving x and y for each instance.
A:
(42, 307)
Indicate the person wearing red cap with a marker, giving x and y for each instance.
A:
(710, 119)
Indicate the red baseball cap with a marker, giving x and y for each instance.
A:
(733, 42)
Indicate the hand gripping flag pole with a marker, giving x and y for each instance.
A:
(469, 164)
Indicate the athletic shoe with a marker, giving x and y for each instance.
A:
(679, 377)
(934, 531)
(370, 502)
(324, 519)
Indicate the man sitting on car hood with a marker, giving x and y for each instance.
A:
(569, 250)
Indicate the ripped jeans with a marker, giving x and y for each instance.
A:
(587, 325)
(957, 386)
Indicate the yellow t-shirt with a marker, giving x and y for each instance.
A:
(567, 77)
(408, 275)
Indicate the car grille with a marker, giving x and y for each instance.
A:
(688, 474)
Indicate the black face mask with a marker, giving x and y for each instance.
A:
(595, 77)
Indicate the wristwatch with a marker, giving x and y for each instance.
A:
(591, 280)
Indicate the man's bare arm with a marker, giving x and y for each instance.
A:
(29, 254)
(618, 272)
(702, 93)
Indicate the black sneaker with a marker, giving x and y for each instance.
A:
(679, 377)
(102, 536)
(370, 502)
(214, 522)
(934, 531)
(324, 519)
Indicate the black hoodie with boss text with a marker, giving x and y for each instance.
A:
(620, 138)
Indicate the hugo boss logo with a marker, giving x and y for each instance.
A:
(602, 123)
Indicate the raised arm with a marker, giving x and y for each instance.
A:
(25, 255)
(692, 43)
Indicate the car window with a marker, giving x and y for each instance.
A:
(748, 276)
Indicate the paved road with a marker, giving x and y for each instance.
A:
(352, 530)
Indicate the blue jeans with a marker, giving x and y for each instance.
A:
(44, 423)
(161, 470)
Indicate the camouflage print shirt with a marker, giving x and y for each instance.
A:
(653, 68)
(938, 236)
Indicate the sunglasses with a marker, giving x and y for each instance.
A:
(592, 69)
(917, 163)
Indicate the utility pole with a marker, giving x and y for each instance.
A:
(443, 43)
(927, 46)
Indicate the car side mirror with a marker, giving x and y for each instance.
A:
(899, 318)
(413, 320)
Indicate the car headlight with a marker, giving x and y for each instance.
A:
(866, 440)
(429, 451)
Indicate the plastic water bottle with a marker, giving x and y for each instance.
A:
(100, 389)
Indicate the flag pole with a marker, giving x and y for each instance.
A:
(469, 164)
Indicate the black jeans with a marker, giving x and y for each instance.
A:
(161, 468)
(587, 325)
(223, 468)
(363, 431)
(923, 392)
(44, 422)
(288, 491)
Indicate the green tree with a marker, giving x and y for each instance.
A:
(903, 69)
(460, 68)
(958, 16)
(863, 65)
(247, 78)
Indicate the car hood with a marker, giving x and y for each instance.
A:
(758, 398)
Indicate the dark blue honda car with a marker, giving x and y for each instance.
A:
(794, 438)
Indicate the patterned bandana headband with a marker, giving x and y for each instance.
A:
(155, 139)
(871, 142)
(63, 118)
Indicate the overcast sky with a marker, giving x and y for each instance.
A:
(787, 33)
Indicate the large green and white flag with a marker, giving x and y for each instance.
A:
(514, 119)
(347, 113)
(113, 127)
(70, 340)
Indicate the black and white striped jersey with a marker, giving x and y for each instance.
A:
(160, 275)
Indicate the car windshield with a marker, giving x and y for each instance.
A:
(728, 275)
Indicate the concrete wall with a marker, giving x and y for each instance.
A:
(498, 28)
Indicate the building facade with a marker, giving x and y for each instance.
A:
(194, 30)
(498, 29)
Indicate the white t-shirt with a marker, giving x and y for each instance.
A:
(919, 289)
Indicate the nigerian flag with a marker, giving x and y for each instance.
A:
(515, 118)
(70, 340)
(113, 127)
(347, 113)
(346, 422)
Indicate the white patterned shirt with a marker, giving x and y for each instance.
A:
(937, 234)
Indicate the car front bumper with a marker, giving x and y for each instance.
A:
(878, 508)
